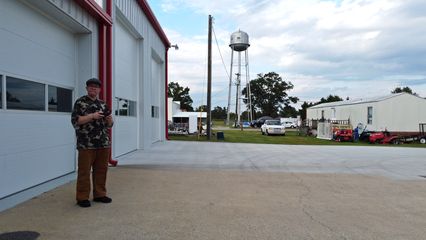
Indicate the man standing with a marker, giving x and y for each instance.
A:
(91, 119)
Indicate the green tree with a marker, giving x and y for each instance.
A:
(180, 94)
(202, 108)
(269, 93)
(302, 111)
(404, 89)
(288, 111)
(330, 98)
(219, 113)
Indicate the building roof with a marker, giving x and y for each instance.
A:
(188, 114)
(359, 101)
(154, 22)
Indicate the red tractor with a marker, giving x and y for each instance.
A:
(383, 138)
(343, 135)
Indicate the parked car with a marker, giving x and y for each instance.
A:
(272, 127)
(289, 125)
(260, 121)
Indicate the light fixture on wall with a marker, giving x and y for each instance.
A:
(175, 46)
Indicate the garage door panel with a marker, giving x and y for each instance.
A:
(25, 169)
(34, 46)
(125, 87)
(125, 135)
(40, 146)
(34, 154)
(33, 60)
(126, 63)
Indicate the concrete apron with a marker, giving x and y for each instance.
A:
(162, 201)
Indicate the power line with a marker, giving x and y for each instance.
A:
(220, 53)
(223, 63)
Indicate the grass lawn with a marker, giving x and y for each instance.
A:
(218, 122)
(291, 137)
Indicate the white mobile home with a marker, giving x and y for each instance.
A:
(49, 48)
(401, 112)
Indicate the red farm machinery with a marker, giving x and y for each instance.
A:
(386, 137)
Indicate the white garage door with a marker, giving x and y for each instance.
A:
(126, 85)
(37, 61)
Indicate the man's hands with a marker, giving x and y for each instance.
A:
(109, 120)
(95, 116)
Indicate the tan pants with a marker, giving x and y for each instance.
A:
(88, 159)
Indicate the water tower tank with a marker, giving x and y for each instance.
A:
(239, 41)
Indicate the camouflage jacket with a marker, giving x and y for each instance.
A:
(94, 134)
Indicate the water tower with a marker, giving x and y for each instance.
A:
(239, 43)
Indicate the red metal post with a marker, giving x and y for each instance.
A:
(101, 59)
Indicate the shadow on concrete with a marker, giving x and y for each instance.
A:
(20, 235)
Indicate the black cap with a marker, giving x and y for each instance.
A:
(93, 81)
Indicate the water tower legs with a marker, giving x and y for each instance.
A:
(229, 91)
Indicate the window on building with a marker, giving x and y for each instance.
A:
(125, 107)
(59, 99)
(333, 113)
(132, 108)
(370, 115)
(322, 114)
(155, 111)
(24, 95)
(1, 88)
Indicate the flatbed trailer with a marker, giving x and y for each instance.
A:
(387, 138)
(422, 134)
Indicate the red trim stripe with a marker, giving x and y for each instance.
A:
(154, 22)
(101, 58)
(95, 11)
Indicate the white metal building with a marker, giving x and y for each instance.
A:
(400, 112)
(139, 84)
(48, 49)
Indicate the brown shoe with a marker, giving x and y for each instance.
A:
(83, 203)
(103, 199)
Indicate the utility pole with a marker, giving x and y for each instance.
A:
(209, 79)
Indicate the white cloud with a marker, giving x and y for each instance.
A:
(350, 48)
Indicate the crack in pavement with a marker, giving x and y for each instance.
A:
(307, 213)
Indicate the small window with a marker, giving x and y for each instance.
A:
(24, 95)
(155, 113)
(322, 114)
(125, 107)
(132, 108)
(59, 99)
(370, 115)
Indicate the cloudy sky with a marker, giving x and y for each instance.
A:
(350, 48)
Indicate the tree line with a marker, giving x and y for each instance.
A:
(270, 97)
